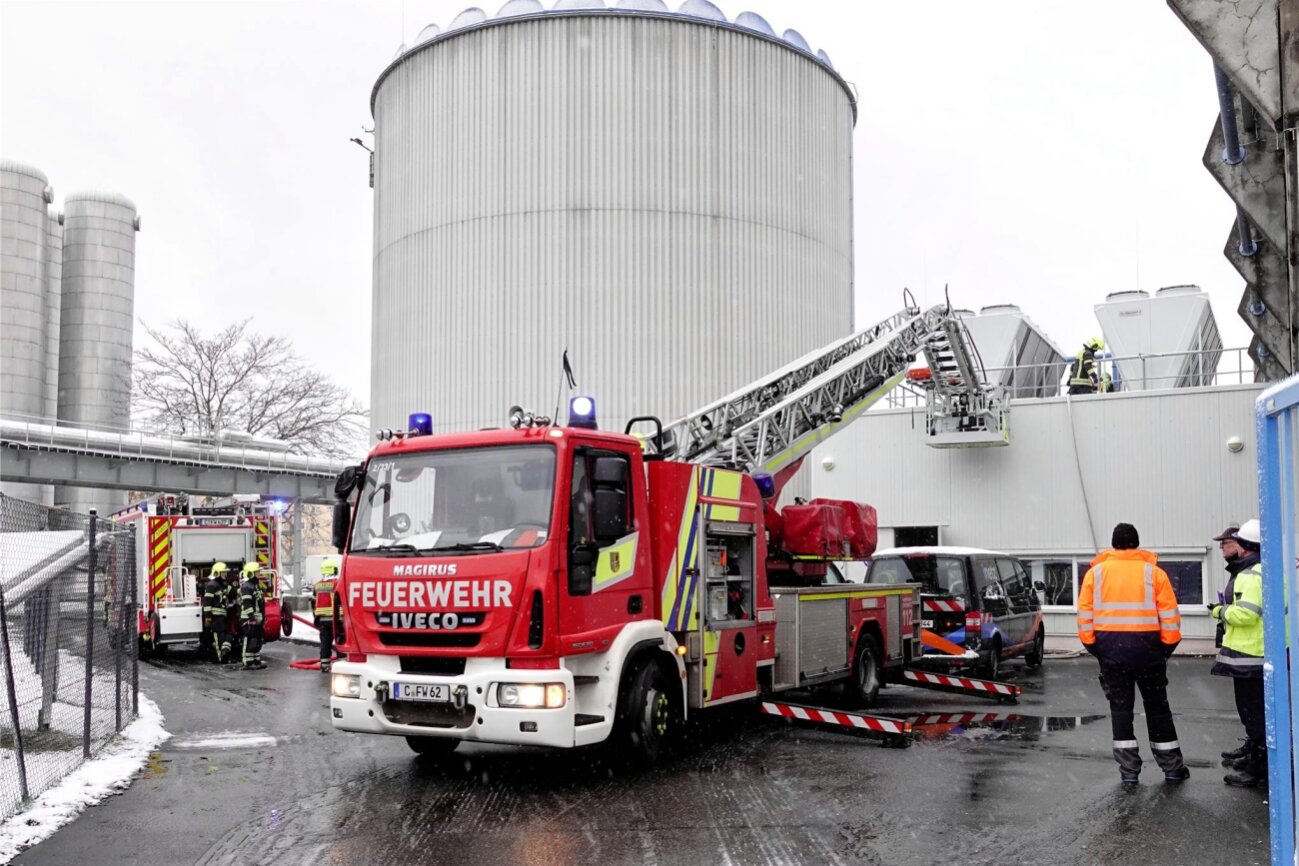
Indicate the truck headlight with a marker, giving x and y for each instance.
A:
(551, 696)
(345, 686)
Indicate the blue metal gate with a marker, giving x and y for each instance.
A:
(1277, 414)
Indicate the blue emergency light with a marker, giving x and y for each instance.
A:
(766, 484)
(581, 413)
(277, 506)
(420, 424)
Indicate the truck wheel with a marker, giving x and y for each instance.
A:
(1033, 658)
(433, 747)
(286, 617)
(648, 717)
(866, 680)
(990, 667)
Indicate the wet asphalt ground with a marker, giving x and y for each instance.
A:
(254, 774)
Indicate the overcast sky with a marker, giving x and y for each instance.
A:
(1039, 153)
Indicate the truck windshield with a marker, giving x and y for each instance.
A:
(462, 501)
(944, 574)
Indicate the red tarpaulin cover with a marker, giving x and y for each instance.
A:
(834, 528)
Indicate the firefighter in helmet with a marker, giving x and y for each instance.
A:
(216, 628)
(324, 611)
(1084, 377)
(252, 617)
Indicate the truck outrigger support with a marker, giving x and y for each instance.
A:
(1002, 692)
(895, 731)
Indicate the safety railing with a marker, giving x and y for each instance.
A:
(1148, 372)
(1277, 416)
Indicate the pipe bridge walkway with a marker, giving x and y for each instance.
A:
(39, 452)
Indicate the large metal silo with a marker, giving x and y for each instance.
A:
(25, 339)
(668, 195)
(97, 322)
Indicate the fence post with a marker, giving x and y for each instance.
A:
(13, 696)
(90, 631)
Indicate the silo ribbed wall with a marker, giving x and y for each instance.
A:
(24, 286)
(668, 199)
(97, 323)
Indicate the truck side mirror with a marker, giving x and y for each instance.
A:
(338, 531)
(581, 568)
(347, 481)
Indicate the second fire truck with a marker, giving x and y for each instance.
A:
(176, 545)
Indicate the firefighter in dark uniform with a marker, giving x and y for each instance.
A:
(216, 628)
(1084, 377)
(232, 614)
(324, 611)
(252, 616)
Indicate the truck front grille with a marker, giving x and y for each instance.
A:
(428, 715)
(426, 639)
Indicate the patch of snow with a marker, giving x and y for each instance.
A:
(109, 772)
(227, 740)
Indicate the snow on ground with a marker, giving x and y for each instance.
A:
(108, 773)
(226, 740)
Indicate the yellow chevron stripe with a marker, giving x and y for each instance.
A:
(725, 484)
(711, 643)
(676, 568)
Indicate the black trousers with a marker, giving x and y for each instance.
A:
(252, 645)
(220, 638)
(326, 629)
(1249, 703)
(1120, 681)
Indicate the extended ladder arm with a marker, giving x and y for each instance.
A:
(777, 420)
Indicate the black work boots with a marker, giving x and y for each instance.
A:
(1251, 770)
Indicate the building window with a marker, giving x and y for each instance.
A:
(1187, 577)
(915, 536)
(1057, 574)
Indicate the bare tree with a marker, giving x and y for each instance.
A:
(240, 380)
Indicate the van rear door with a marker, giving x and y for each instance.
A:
(943, 582)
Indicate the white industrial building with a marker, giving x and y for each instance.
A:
(1176, 462)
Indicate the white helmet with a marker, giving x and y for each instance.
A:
(1249, 531)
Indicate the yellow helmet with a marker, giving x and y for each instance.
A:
(329, 569)
(1095, 343)
(220, 568)
(251, 568)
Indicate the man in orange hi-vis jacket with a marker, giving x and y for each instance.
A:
(1128, 619)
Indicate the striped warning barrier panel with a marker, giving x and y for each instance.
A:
(962, 718)
(879, 724)
(984, 688)
(943, 605)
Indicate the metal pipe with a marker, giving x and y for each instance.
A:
(1234, 152)
(1246, 244)
(90, 631)
(11, 694)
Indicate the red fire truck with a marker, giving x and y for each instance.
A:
(564, 585)
(176, 545)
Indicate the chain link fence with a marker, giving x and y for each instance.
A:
(69, 650)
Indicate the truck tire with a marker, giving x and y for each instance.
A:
(864, 687)
(648, 715)
(286, 617)
(1033, 658)
(433, 747)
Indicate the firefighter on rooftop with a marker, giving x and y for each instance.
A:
(1084, 376)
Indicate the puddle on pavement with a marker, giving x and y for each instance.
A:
(155, 766)
(994, 726)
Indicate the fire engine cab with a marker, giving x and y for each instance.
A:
(562, 585)
(176, 544)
